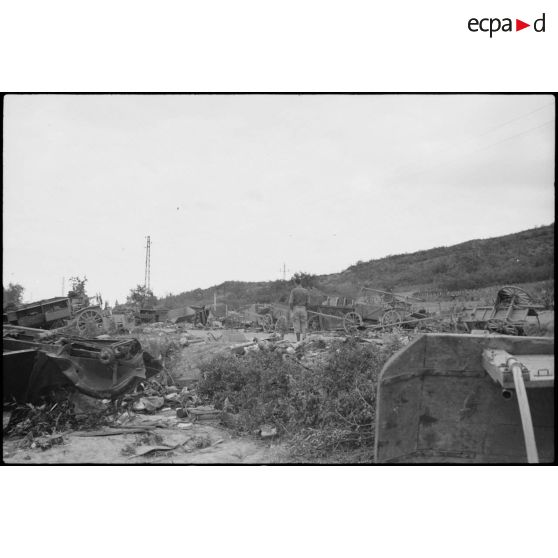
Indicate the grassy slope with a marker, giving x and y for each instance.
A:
(523, 257)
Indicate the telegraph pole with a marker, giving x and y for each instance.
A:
(284, 270)
(147, 279)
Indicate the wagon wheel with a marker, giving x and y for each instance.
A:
(390, 318)
(267, 323)
(281, 325)
(511, 294)
(89, 319)
(352, 321)
(314, 324)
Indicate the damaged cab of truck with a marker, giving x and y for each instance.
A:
(35, 360)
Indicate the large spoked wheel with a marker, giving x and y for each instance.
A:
(511, 294)
(281, 325)
(314, 324)
(391, 318)
(351, 322)
(88, 320)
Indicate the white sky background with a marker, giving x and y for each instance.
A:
(230, 187)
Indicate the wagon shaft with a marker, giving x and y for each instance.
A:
(315, 313)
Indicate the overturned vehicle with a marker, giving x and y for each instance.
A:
(508, 315)
(36, 360)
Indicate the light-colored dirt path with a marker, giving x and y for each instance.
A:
(198, 443)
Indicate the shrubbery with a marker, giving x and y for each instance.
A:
(329, 409)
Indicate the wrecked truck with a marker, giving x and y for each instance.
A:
(36, 360)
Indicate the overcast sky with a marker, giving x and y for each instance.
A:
(232, 187)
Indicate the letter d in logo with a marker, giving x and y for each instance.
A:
(539, 28)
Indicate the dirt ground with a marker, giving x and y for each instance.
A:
(192, 442)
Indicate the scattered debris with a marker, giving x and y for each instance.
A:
(268, 431)
(205, 413)
(46, 442)
(114, 432)
(152, 449)
(156, 399)
(148, 404)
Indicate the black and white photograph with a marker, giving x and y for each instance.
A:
(278, 279)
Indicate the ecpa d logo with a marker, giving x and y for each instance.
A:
(494, 24)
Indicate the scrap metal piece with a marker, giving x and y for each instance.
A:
(537, 370)
(438, 401)
(101, 368)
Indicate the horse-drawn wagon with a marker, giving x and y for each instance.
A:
(372, 308)
(57, 312)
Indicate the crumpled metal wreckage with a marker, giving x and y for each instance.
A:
(35, 360)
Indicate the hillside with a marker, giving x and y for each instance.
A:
(523, 257)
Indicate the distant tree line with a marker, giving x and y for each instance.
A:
(240, 293)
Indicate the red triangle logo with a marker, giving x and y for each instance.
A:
(519, 25)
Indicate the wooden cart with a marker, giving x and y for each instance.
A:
(508, 315)
(372, 308)
(57, 312)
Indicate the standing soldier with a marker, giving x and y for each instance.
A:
(298, 301)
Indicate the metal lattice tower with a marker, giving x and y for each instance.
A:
(147, 279)
(284, 271)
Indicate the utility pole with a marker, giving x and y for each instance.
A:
(147, 279)
(284, 270)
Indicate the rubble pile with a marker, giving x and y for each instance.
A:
(62, 410)
(66, 412)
